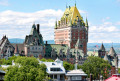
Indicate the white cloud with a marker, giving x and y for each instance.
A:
(105, 19)
(118, 0)
(4, 2)
(118, 23)
(82, 11)
(18, 24)
(106, 32)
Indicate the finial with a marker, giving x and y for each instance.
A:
(75, 3)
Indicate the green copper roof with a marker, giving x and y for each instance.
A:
(59, 47)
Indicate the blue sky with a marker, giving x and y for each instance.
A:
(19, 15)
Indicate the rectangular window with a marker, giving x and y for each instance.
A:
(55, 76)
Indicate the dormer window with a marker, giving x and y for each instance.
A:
(53, 64)
(55, 69)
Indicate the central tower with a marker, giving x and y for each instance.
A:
(72, 28)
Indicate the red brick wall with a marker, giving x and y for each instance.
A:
(61, 37)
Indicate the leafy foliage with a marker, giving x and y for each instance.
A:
(68, 66)
(97, 66)
(26, 69)
(47, 60)
(7, 62)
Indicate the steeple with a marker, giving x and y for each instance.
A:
(33, 29)
(75, 3)
(105, 57)
(86, 24)
(102, 48)
(33, 26)
(16, 50)
(112, 52)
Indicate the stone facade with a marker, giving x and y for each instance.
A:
(70, 28)
(34, 45)
(6, 48)
(111, 57)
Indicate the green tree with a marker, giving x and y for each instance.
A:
(68, 66)
(97, 66)
(119, 70)
(26, 69)
(46, 60)
(7, 62)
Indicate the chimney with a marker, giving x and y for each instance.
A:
(46, 42)
(38, 28)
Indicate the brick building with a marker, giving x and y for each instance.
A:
(70, 28)
(111, 57)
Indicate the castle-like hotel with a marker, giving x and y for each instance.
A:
(71, 38)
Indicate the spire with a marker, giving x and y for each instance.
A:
(105, 57)
(16, 50)
(112, 52)
(102, 48)
(75, 3)
(56, 24)
(86, 24)
(33, 29)
(33, 26)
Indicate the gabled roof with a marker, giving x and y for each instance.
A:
(76, 72)
(112, 52)
(102, 48)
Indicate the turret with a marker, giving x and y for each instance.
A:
(102, 48)
(112, 52)
(56, 25)
(16, 52)
(86, 24)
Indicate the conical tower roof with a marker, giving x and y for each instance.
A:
(102, 48)
(33, 29)
(16, 50)
(86, 24)
(106, 57)
(112, 52)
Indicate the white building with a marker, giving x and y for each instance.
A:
(76, 75)
(55, 70)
